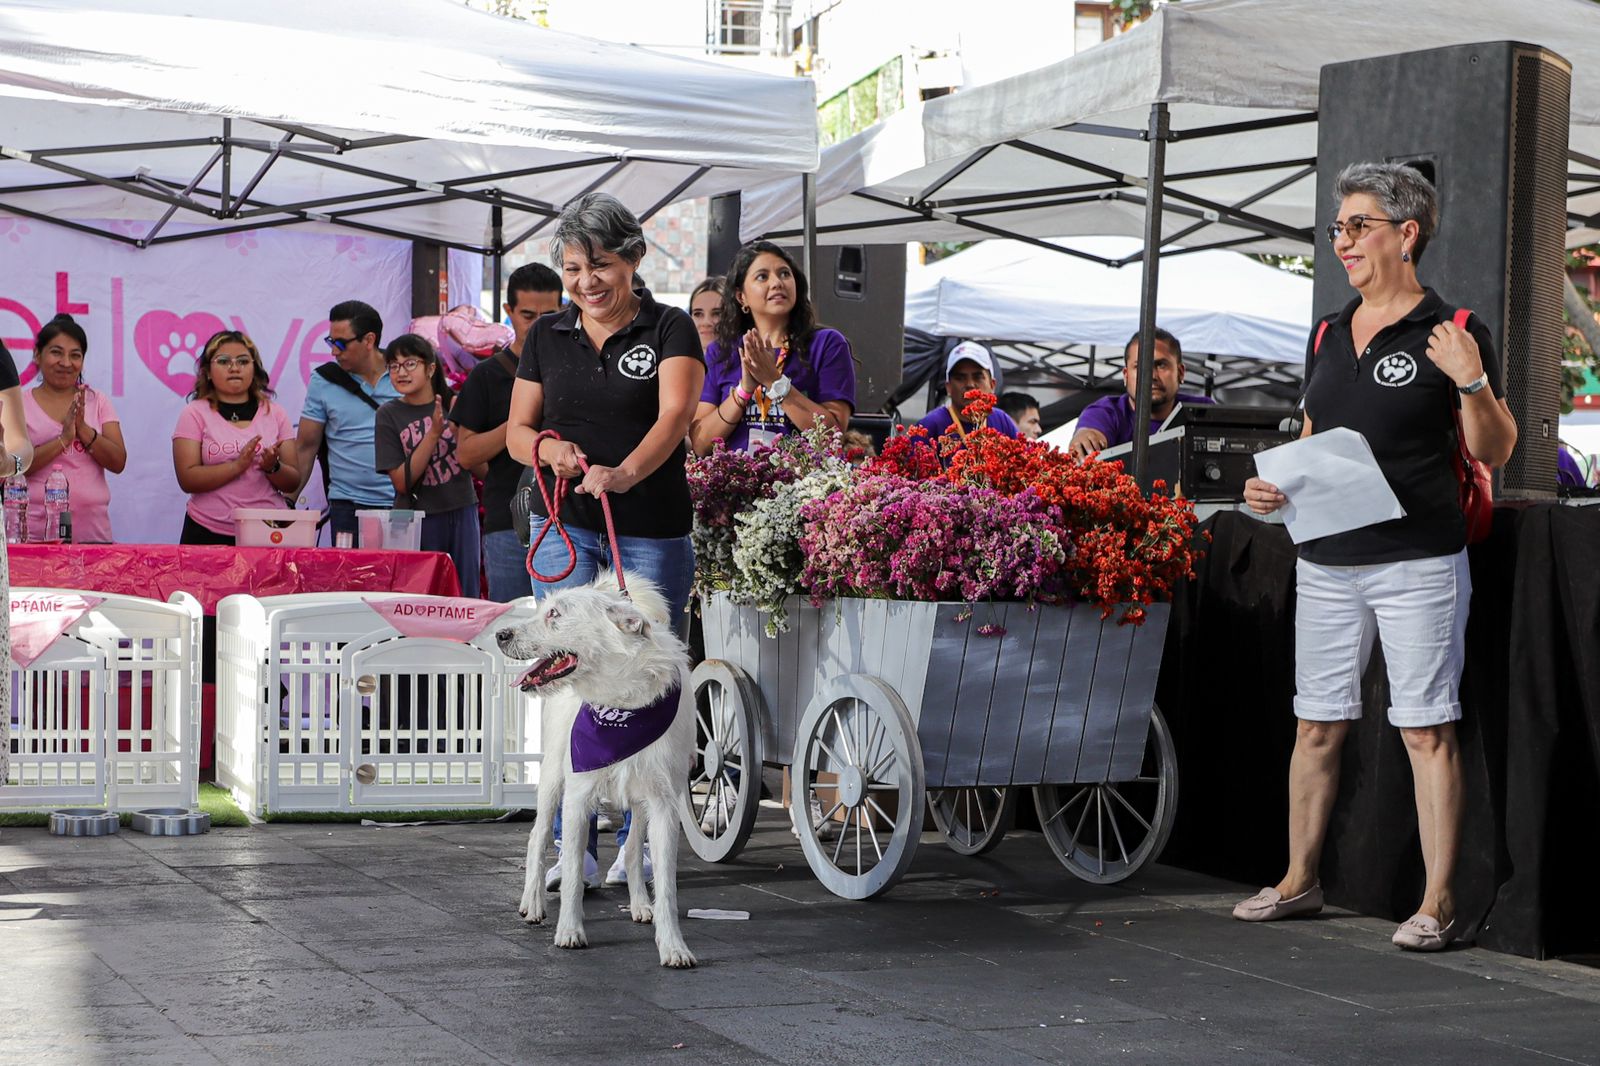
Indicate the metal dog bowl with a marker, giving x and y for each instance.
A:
(171, 821)
(83, 822)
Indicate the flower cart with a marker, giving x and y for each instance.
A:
(946, 624)
(875, 704)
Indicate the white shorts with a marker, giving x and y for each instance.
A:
(1418, 607)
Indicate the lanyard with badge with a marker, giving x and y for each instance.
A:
(759, 435)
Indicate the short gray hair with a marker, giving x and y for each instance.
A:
(597, 220)
(1401, 191)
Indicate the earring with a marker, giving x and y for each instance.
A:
(1405, 257)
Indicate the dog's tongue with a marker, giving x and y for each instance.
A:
(543, 671)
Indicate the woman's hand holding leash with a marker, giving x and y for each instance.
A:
(596, 481)
(565, 459)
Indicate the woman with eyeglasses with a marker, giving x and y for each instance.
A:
(233, 447)
(72, 427)
(416, 446)
(1404, 369)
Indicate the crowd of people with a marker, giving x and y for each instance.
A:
(613, 391)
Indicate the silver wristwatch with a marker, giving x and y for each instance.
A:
(18, 466)
(780, 388)
(1479, 385)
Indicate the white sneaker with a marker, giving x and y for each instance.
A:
(618, 874)
(719, 813)
(591, 871)
(826, 830)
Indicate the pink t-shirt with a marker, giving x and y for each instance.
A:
(89, 497)
(221, 442)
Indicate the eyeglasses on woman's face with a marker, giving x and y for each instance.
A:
(1356, 226)
(407, 366)
(230, 362)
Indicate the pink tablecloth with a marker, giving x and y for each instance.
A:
(209, 573)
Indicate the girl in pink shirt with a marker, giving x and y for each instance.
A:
(72, 427)
(233, 447)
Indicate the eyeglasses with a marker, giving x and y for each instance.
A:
(339, 344)
(1356, 226)
(229, 362)
(410, 366)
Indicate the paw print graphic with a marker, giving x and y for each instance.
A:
(243, 243)
(180, 352)
(14, 229)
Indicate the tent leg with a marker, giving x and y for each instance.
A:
(1159, 132)
(808, 254)
(497, 222)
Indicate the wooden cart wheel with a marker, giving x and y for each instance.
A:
(856, 754)
(973, 820)
(719, 808)
(1104, 833)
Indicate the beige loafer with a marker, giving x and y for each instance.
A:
(1268, 905)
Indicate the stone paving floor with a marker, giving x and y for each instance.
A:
(289, 944)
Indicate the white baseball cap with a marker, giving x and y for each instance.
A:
(969, 350)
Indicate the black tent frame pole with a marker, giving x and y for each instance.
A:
(497, 224)
(1159, 133)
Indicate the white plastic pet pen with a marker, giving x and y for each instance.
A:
(107, 714)
(322, 705)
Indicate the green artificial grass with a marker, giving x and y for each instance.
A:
(462, 814)
(218, 802)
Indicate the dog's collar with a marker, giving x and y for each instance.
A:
(604, 736)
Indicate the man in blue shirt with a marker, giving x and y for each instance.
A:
(967, 367)
(1108, 421)
(341, 400)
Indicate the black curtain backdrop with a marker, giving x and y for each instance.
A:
(1530, 735)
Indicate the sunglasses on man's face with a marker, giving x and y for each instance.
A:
(339, 344)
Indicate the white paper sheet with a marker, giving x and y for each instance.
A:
(1333, 484)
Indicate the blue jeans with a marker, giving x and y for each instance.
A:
(456, 534)
(669, 562)
(505, 560)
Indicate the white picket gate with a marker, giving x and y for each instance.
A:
(322, 705)
(108, 714)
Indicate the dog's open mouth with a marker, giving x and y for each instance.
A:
(549, 669)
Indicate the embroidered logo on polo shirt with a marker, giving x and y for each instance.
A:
(638, 362)
(1395, 370)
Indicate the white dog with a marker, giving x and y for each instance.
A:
(615, 684)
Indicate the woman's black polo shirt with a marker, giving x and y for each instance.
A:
(605, 402)
(1406, 407)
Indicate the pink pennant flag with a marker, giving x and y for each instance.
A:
(449, 617)
(38, 618)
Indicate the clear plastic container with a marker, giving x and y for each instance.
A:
(57, 506)
(392, 530)
(16, 507)
(273, 527)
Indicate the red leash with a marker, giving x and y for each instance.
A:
(552, 510)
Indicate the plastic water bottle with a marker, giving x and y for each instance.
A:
(16, 504)
(57, 505)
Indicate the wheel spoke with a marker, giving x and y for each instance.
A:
(1077, 832)
(822, 745)
(838, 844)
(983, 817)
(858, 841)
(888, 757)
(1116, 831)
(829, 813)
(881, 812)
(1076, 796)
(1137, 816)
(717, 718)
(1146, 781)
(844, 741)
(880, 732)
(1099, 830)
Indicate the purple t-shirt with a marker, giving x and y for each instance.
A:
(1113, 416)
(939, 421)
(828, 373)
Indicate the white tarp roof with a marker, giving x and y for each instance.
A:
(435, 96)
(943, 169)
(1217, 303)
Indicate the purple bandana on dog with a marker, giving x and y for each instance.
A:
(603, 736)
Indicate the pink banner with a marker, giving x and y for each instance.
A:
(451, 618)
(38, 618)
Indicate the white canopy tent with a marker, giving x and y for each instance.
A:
(1218, 303)
(1065, 150)
(420, 119)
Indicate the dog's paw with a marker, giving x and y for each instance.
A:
(531, 908)
(571, 938)
(677, 956)
(642, 913)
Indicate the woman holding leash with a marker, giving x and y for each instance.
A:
(1405, 370)
(773, 370)
(616, 375)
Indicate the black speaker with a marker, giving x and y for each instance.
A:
(860, 290)
(1487, 123)
(722, 232)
